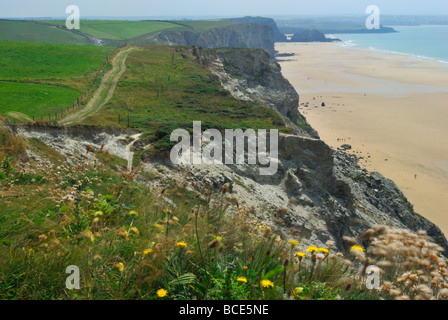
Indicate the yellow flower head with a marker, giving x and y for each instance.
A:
(181, 244)
(267, 283)
(98, 214)
(324, 250)
(123, 233)
(357, 247)
(119, 266)
(242, 279)
(162, 293)
(134, 230)
(293, 242)
(133, 213)
(300, 254)
(219, 238)
(245, 267)
(312, 249)
(147, 251)
(297, 291)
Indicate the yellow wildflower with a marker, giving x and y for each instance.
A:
(293, 242)
(300, 254)
(297, 291)
(245, 267)
(147, 251)
(134, 230)
(119, 266)
(312, 249)
(98, 214)
(267, 283)
(181, 244)
(242, 279)
(324, 250)
(123, 233)
(219, 238)
(162, 293)
(357, 247)
(133, 213)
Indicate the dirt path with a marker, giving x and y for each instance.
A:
(105, 91)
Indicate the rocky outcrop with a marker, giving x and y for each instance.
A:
(311, 36)
(317, 194)
(237, 35)
(278, 36)
(250, 75)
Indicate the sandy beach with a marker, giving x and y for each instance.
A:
(392, 110)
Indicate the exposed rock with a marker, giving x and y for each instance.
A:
(249, 75)
(278, 36)
(311, 36)
(238, 35)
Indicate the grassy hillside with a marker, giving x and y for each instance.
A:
(20, 60)
(118, 29)
(163, 89)
(35, 99)
(37, 79)
(30, 31)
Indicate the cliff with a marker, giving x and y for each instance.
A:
(249, 74)
(311, 36)
(278, 36)
(237, 35)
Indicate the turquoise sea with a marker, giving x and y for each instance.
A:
(422, 42)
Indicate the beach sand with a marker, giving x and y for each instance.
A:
(392, 110)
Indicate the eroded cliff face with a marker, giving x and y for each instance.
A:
(239, 35)
(249, 74)
(317, 194)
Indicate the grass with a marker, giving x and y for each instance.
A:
(20, 60)
(35, 99)
(163, 89)
(30, 31)
(118, 29)
(41, 79)
(122, 30)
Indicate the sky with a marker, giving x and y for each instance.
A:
(216, 8)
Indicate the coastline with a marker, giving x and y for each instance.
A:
(390, 108)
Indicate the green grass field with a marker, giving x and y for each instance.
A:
(34, 99)
(33, 32)
(118, 29)
(20, 60)
(163, 93)
(45, 78)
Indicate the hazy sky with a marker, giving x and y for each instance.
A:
(189, 8)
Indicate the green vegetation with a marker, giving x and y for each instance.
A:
(163, 89)
(31, 31)
(118, 29)
(202, 25)
(20, 60)
(34, 99)
(39, 79)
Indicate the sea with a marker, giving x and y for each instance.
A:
(418, 42)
